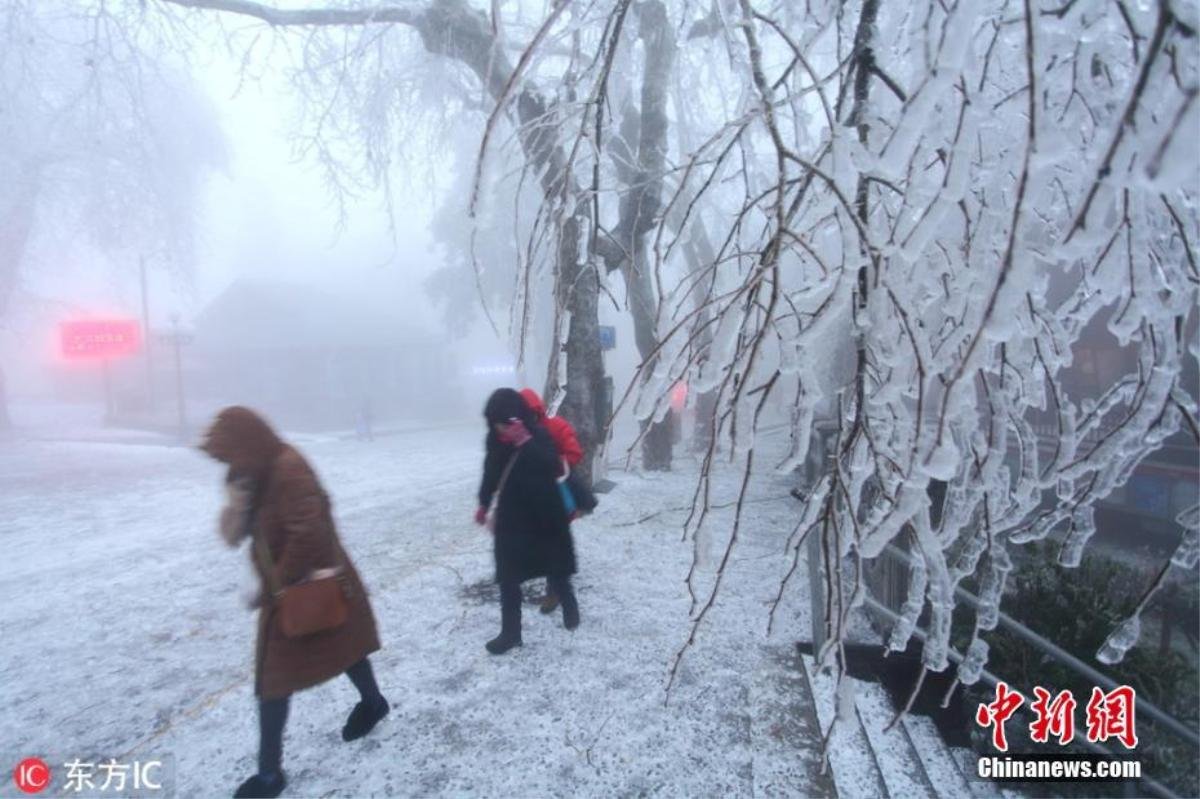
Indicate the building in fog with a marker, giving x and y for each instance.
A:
(312, 358)
(1140, 514)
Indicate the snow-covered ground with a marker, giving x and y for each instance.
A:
(125, 633)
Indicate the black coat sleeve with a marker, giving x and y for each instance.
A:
(493, 466)
(540, 454)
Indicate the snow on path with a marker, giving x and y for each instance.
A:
(125, 632)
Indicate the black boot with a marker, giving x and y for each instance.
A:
(269, 782)
(372, 706)
(262, 786)
(566, 595)
(363, 718)
(510, 620)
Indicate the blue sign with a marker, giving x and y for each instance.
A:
(1150, 494)
(608, 337)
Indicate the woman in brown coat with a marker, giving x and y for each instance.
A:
(276, 501)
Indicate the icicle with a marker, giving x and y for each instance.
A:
(1083, 527)
(1041, 527)
(902, 631)
(1187, 554)
(802, 423)
(942, 463)
(992, 591)
(1120, 641)
(968, 556)
(971, 668)
(936, 652)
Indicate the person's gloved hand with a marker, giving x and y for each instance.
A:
(480, 515)
(515, 433)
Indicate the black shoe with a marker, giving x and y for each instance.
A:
(502, 643)
(262, 786)
(363, 719)
(570, 616)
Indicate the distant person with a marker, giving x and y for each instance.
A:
(565, 440)
(314, 618)
(582, 501)
(531, 532)
(569, 450)
(366, 421)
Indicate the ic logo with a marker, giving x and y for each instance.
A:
(32, 775)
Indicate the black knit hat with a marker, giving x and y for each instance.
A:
(505, 404)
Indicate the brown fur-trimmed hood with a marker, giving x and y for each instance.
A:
(242, 439)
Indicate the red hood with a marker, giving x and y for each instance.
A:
(534, 402)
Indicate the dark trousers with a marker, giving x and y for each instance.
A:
(273, 713)
(510, 603)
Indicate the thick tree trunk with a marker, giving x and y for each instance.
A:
(642, 202)
(453, 28)
(657, 442)
(16, 226)
(584, 404)
(700, 255)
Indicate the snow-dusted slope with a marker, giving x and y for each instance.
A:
(125, 634)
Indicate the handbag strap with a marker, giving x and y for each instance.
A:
(504, 478)
(262, 554)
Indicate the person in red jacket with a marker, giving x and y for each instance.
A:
(559, 428)
(567, 443)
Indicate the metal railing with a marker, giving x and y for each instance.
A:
(1155, 787)
(1063, 657)
(818, 460)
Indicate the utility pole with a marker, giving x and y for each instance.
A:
(146, 328)
(109, 405)
(176, 339)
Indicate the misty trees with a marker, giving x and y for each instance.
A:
(347, 42)
(354, 99)
(96, 135)
(957, 192)
(896, 218)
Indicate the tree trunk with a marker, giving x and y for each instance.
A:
(451, 27)
(584, 404)
(700, 256)
(454, 29)
(16, 225)
(641, 204)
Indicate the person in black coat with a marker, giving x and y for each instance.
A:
(531, 531)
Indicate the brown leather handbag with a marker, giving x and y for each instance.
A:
(314, 605)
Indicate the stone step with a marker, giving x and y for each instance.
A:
(856, 772)
(785, 732)
(943, 770)
(909, 760)
(900, 763)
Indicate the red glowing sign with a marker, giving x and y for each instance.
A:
(100, 339)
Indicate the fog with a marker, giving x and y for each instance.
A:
(865, 321)
(262, 220)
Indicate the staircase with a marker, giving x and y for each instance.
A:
(908, 760)
(791, 706)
